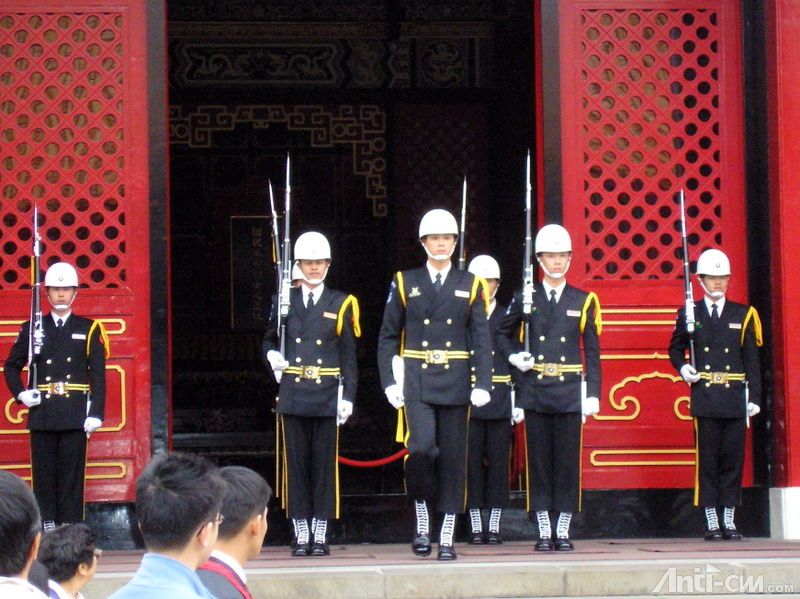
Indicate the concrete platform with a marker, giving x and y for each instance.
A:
(599, 568)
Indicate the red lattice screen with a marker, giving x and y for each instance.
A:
(61, 143)
(74, 142)
(651, 102)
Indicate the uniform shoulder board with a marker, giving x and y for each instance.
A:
(350, 301)
(752, 314)
(102, 338)
(592, 299)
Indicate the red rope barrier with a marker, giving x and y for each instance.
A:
(373, 463)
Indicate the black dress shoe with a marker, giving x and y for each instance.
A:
(731, 534)
(493, 538)
(562, 544)
(447, 553)
(476, 538)
(320, 549)
(543, 545)
(713, 535)
(421, 545)
(301, 550)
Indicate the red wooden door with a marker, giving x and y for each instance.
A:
(651, 102)
(73, 141)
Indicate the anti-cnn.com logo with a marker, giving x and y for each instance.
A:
(710, 579)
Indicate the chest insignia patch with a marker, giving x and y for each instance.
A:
(414, 292)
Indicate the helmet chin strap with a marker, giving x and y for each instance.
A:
(63, 306)
(316, 281)
(438, 257)
(557, 275)
(714, 295)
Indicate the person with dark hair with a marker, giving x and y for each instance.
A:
(178, 502)
(70, 555)
(20, 534)
(240, 535)
(67, 405)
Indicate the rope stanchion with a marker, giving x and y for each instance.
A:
(373, 463)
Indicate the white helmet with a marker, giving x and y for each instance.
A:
(438, 222)
(713, 262)
(553, 238)
(61, 274)
(312, 246)
(484, 266)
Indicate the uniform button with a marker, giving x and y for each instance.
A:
(424, 344)
(563, 359)
(426, 321)
(708, 366)
(473, 369)
(540, 377)
(449, 321)
(47, 396)
(66, 394)
(540, 357)
(424, 366)
(563, 339)
(708, 384)
(727, 385)
(49, 361)
(319, 381)
(297, 379)
(69, 376)
(705, 349)
(561, 378)
(297, 360)
(727, 367)
(492, 352)
(298, 340)
(727, 350)
(449, 343)
(541, 337)
(472, 352)
(319, 341)
(319, 360)
(47, 378)
(492, 387)
(447, 366)
(69, 358)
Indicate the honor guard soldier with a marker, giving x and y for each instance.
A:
(68, 405)
(725, 390)
(559, 386)
(434, 331)
(490, 427)
(318, 377)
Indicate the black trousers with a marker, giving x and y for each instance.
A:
(436, 465)
(310, 464)
(720, 460)
(554, 461)
(58, 467)
(488, 459)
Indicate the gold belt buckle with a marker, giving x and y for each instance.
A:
(310, 372)
(436, 356)
(551, 369)
(59, 388)
(719, 378)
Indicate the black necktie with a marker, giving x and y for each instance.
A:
(553, 301)
(310, 303)
(714, 313)
(59, 323)
(437, 284)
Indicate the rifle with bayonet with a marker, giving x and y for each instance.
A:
(36, 328)
(276, 240)
(687, 282)
(527, 270)
(286, 260)
(462, 257)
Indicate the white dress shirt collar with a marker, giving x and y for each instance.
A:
(559, 290)
(231, 563)
(709, 302)
(432, 272)
(62, 318)
(317, 291)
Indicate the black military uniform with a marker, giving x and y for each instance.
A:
(550, 393)
(320, 349)
(490, 438)
(441, 336)
(72, 381)
(726, 350)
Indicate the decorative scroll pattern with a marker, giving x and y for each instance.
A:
(650, 127)
(363, 128)
(61, 144)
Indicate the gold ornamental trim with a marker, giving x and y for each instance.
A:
(121, 470)
(596, 457)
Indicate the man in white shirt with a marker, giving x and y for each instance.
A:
(70, 555)
(20, 534)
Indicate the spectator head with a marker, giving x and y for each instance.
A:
(70, 555)
(245, 509)
(178, 501)
(20, 527)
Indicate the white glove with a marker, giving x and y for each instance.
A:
(517, 415)
(395, 396)
(91, 424)
(753, 409)
(479, 397)
(689, 374)
(344, 410)
(30, 397)
(590, 406)
(522, 360)
(277, 362)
